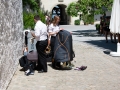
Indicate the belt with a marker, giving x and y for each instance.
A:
(53, 36)
(42, 40)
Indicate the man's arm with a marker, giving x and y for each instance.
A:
(33, 34)
(37, 32)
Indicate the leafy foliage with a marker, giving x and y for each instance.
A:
(89, 19)
(94, 6)
(91, 6)
(33, 4)
(28, 17)
(71, 9)
(77, 22)
(28, 20)
(97, 27)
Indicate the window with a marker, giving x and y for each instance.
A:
(60, 0)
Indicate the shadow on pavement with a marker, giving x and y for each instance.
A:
(107, 47)
(86, 33)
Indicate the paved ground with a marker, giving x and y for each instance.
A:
(103, 72)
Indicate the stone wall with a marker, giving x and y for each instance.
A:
(11, 26)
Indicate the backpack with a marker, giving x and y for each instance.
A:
(23, 61)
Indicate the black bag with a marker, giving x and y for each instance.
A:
(23, 61)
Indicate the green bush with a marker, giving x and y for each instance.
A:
(42, 16)
(77, 22)
(84, 18)
(28, 19)
(88, 19)
(97, 27)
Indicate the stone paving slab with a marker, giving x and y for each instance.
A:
(103, 73)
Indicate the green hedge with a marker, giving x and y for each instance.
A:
(77, 22)
(28, 19)
(97, 27)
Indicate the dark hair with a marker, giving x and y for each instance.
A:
(26, 32)
(37, 17)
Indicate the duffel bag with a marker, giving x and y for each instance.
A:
(32, 56)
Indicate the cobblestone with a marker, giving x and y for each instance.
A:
(102, 73)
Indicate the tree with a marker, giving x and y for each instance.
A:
(94, 6)
(33, 4)
(89, 6)
(72, 9)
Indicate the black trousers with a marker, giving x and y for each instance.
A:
(26, 40)
(52, 45)
(42, 62)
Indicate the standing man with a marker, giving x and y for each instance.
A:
(41, 37)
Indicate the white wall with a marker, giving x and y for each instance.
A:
(49, 4)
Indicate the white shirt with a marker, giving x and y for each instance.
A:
(40, 31)
(53, 28)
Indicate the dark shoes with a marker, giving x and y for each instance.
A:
(42, 71)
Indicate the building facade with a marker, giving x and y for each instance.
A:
(50, 6)
(58, 7)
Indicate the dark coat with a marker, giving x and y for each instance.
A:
(63, 48)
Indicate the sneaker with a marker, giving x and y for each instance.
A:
(32, 73)
(27, 72)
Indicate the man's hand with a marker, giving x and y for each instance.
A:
(33, 34)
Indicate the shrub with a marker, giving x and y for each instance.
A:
(88, 19)
(77, 22)
(42, 16)
(97, 27)
(28, 19)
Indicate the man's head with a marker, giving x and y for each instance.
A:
(26, 33)
(36, 18)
